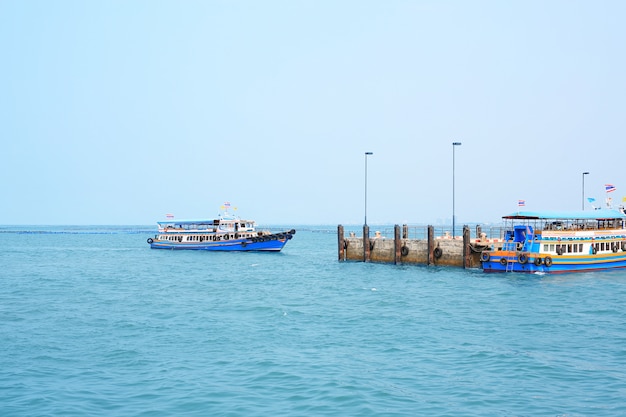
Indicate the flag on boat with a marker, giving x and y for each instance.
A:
(609, 188)
(521, 203)
(624, 199)
(169, 216)
(591, 200)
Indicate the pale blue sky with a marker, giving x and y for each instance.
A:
(117, 112)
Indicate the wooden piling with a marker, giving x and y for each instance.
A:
(431, 244)
(466, 247)
(366, 243)
(397, 244)
(341, 243)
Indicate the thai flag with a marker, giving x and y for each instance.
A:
(609, 188)
(521, 203)
(169, 216)
(227, 204)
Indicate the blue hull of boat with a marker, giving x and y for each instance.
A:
(241, 245)
(558, 265)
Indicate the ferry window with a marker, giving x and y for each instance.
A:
(552, 248)
(580, 247)
(602, 246)
(575, 248)
(569, 248)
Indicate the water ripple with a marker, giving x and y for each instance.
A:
(98, 324)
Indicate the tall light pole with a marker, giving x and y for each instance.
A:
(584, 173)
(454, 145)
(366, 154)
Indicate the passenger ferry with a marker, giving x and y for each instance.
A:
(553, 242)
(226, 233)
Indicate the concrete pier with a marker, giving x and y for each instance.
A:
(460, 251)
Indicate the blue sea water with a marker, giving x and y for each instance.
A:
(93, 322)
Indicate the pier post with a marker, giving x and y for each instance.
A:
(341, 243)
(397, 244)
(466, 247)
(366, 243)
(431, 245)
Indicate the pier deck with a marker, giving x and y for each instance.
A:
(460, 251)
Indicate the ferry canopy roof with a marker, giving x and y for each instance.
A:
(601, 214)
(200, 221)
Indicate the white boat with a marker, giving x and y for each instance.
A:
(227, 232)
(553, 242)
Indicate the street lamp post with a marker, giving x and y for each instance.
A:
(454, 145)
(584, 173)
(366, 154)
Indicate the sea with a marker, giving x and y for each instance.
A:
(95, 323)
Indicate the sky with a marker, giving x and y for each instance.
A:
(118, 112)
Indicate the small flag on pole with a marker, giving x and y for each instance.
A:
(521, 203)
(609, 188)
(591, 200)
(169, 216)
(624, 199)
